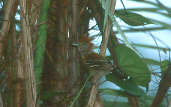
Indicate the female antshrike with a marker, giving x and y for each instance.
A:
(93, 61)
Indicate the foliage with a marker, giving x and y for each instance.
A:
(60, 73)
(132, 19)
(129, 85)
(132, 65)
(41, 41)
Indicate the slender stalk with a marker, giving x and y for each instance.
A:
(163, 87)
(1, 102)
(81, 90)
(41, 41)
(8, 9)
(6, 30)
(103, 48)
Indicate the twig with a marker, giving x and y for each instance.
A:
(103, 48)
(6, 22)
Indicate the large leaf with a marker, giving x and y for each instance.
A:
(129, 85)
(132, 19)
(151, 61)
(113, 92)
(131, 64)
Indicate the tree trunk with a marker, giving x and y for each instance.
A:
(28, 55)
(60, 76)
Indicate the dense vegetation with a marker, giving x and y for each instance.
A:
(48, 59)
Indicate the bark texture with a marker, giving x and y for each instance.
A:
(27, 48)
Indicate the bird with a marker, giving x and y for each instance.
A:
(93, 61)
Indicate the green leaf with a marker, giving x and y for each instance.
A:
(113, 92)
(129, 85)
(132, 19)
(132, 65)
(116, 104)
(151, 61)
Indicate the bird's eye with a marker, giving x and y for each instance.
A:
(75, 44)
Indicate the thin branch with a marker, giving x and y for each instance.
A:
(1, 102)
(133, 101)
(163, 87)
(103, 48)
(113, 42)
(8, 9)
(169, 103)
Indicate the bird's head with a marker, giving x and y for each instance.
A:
(85, 46)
